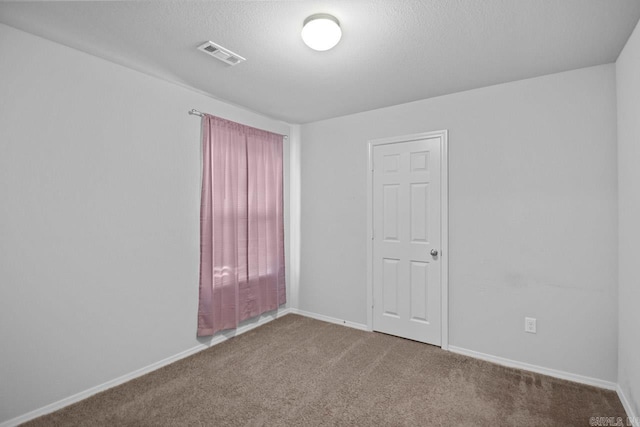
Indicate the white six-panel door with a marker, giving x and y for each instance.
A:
(406, 250)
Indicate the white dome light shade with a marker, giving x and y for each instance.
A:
(321, 31)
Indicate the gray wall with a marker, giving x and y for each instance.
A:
(533, 216)
(628, 84)
(99, 219)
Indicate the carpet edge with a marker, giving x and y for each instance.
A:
(556, 373)
(632, 416)
(64, 402)
(329, 319)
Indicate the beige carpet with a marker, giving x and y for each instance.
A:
(300, 371)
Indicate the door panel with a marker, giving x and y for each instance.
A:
(406, 227)
(419, 279)
(390, 287)
(418, 212)
(390, 213)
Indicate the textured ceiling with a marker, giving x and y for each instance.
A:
(392, 51)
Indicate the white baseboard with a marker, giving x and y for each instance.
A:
(534, 368)
(632, 416)
(272, 316)
(330, 319)
(224, 336)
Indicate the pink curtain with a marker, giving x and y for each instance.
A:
(241, 225)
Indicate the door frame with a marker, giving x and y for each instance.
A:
(444, 226)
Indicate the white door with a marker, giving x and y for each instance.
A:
(407, 238)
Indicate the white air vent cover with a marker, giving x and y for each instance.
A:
(218, 52)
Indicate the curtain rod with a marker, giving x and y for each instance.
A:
(195, 112)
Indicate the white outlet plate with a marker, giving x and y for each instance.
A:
(530, 325)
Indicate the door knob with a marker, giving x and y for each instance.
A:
(434, 252)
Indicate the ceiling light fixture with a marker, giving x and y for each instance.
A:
(321, 31)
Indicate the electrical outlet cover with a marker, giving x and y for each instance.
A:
(530, 325)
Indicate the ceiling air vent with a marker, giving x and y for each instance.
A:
(218, 52)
